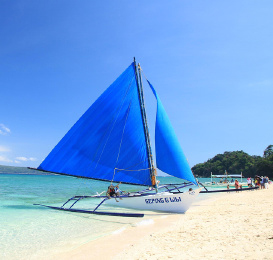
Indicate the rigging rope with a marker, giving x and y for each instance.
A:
(122, 138)
(114, 116)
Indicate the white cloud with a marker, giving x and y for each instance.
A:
(4, 130)
(25, 159)
(4, 149)
(17, 160)
(22, 158)
(5, 159)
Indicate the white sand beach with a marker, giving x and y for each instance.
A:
(231, 226)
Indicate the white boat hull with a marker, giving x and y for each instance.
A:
(163, 201)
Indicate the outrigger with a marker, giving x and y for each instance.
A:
(170, 189)
(111, 142)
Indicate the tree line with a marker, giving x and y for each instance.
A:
(16, 170)
(237, 162)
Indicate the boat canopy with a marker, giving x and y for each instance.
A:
(226, 176)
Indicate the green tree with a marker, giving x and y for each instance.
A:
(268, 151)
(234, 162)
(265, 167)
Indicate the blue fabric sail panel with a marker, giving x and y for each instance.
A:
(109, 136)
(169, 154)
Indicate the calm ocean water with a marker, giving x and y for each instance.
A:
(30, 232)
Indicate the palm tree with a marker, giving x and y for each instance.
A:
(268, 151)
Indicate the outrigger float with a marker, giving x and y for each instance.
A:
(226, 190)
(111, 142)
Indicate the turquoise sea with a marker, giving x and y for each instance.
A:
(33, 232)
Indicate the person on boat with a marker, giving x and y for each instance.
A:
(111, 192)
(118, 191)
(191, 191)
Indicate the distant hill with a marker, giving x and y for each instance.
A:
(17, 170)
(235, 163)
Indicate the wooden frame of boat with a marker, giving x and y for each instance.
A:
(226, 182)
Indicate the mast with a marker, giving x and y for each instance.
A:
(145, 124)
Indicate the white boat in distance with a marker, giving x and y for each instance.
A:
(111, 142)
(224, 180)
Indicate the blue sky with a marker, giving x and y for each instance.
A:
(210, 61)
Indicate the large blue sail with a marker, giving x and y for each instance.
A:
(169, 154)
(108, 141)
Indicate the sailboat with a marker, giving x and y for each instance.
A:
(111, 142)
(224, 180)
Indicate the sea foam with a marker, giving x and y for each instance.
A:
(118, 231)
(145, 222)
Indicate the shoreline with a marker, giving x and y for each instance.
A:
(215, 228)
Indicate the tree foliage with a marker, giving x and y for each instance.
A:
(268, 151)
(265, 166)
(237, 162)
(17, 170)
